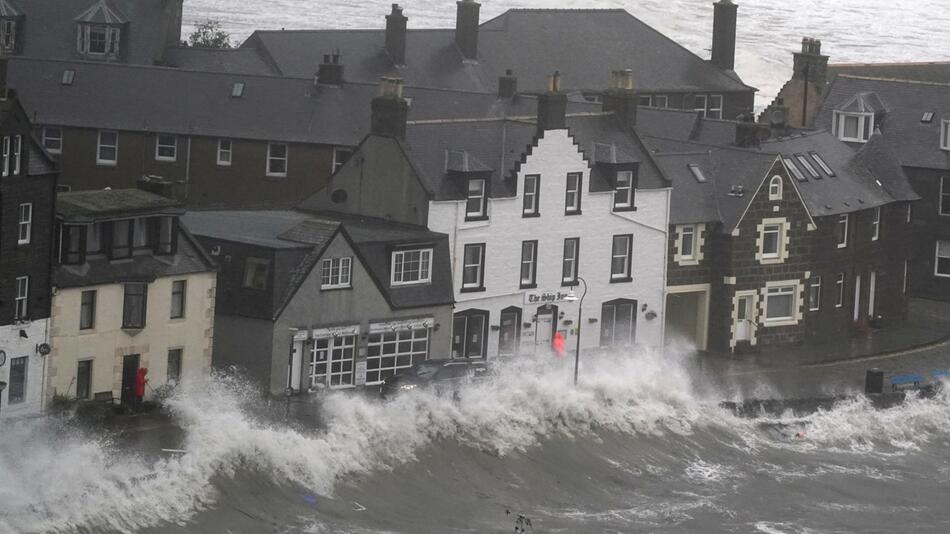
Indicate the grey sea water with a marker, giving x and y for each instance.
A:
(769, 30)
(640, 446)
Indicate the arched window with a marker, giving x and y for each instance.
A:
(775, 188)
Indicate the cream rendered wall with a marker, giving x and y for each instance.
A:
(107, 343)
(554, 157)
(17, 346)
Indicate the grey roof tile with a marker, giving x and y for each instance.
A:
(85, 206)
(932, 71)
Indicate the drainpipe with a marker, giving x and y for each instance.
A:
(188, 169)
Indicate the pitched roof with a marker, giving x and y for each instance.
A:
(225, 60)
(57, 21)
(499, 146)
(371, 239)
(930, 71)
(584, 44)
(9, 8)
(103, 204)
(915, 141)
(200, 103)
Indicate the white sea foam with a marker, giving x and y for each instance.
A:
(65, 482)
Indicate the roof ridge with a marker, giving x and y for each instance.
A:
(886, 64)
(895, 80)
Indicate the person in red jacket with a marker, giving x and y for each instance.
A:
(140, 381)
(558, 345)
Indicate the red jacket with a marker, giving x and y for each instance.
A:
(140, 382)
(558, 343)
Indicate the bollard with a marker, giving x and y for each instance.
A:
(874, 382)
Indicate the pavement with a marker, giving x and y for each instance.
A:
(919, 346)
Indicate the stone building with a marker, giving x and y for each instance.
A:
(133, 289)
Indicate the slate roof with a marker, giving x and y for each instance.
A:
(862, 180)
(584, 44)
(227, 60)
(499, 145)
(9, 8)
(105, 204)
(930, 71)
(272, 108)
(915, 142)
(371, 239)
(52, 24)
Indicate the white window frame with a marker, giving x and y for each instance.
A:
(21, 308)
(781, 253)
(775, 188)
(248, 278)
(783, 288)
(938, 254)
(661, 98)
(621, 189)
(17, 154)
(343, 278)
(340, 161)
(626, 254)
(100, 146)
(533, 194)
(705, 103)
(696, 254)
(573, 260)
(572, 195)
(846, 219)
(713, 110)
(688, 231)
(796, 172)
(225, 155)
(944, 192)
(8, 34)
(112, 36)
(159, 146)
(814, 287)
(272, 158)
(478, 265)
(910, 211)
(6, 155)
(808, 166)
(840, 290)
(876, 224)
(386, 345)
(56, 139)
(772, 228)
(25, 226)
(945, 134)
(425, 267)
(904, 285)
(864, 128)
(821, 163)
(531, 262)
(479, 194)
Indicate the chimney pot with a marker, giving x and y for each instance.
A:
(390, 110)
(620, 98)
(552, 106)
(330, 71)
(507, 85)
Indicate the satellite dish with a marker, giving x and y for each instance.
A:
(44, 349)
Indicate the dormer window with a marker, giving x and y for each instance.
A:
(476, 200)
(623, 191)
(8, 35)
(853, 127)
(945, 134)
(98, 40)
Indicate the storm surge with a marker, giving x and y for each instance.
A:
(633, 446)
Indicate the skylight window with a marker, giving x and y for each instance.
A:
(697, 173)
(821, 163)
(237, 90)
(927, 118)
(795, 170)
(807, 166)
(68, 76)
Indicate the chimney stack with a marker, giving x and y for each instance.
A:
(552, 106)
(507, 85)
(810, 65)
(396, 35)
(621, 98)
(330, 71)
(724, 34)
(390, 110)
(466, 28)
(747, 131)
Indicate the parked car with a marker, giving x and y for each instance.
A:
(440, 375)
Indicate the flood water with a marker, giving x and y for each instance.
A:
(769, 30)
(640, 446)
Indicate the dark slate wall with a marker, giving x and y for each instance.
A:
(929, 226)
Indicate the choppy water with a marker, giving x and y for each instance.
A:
(769, 30)
(638, 447)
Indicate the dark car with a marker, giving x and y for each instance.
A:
(440, 375)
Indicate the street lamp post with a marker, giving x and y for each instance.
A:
(571, 297)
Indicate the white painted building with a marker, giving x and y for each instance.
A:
(23, 368)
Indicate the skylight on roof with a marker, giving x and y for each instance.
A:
(68, 76)
(237, 90)
(821, 163)
(697, 173)
(795, 170)
(928, 117)
(807, 165)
